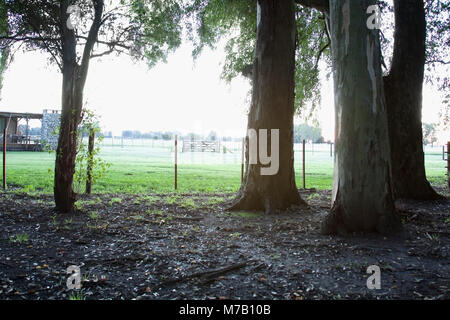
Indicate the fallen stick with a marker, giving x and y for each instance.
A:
(207, 274)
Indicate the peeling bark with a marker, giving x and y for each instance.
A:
(362, 193)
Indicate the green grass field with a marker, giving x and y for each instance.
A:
(141, 169)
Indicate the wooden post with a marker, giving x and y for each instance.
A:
(448, 164)
(26, 133)
(242, 160)
(4, 156)
(176, 161)
(303, 151)
(331, 150)
(90, 161)
(443, 152)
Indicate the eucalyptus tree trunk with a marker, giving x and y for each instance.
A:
(362, 190)
(72, 99)
(403, 91)
(272, 107)
(74, 79)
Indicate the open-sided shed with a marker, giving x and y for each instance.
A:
(16, 140)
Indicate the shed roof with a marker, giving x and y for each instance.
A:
(6, 114)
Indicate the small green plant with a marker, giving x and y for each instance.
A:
(156, 212)
(85, 159)
(76, 296)
(216, 200)
(79, 205)
(94, 201)
(447, 220)
(235, 235)
(19, 238)
(28, 189)
(112, 201)
(313, 196)
(172, 199)
(94, 215)
(150, 199)
(244, 214)
(188, 203)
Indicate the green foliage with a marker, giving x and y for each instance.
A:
(245, 214)
(4, 51)
(158, 28)
(235, 21)
(146, 29)
(19, 238)
(76, 296)
(89, 123)
(307, 133)
(112, 201)
(312, 44)
(429, 133)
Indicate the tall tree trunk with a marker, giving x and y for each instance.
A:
(362, 195)
(65, 196)
(74, 79)
(403, 91)
(71, 105)
(273, 108)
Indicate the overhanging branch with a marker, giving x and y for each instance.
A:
(321, 5)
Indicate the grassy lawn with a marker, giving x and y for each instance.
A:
(140, 169)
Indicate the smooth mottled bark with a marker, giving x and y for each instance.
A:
(272, 107)
(362, 193)
(403, 91)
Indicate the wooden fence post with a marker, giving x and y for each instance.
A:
(176, 161)
(331, 150)
(4, 156)
(303, 151)
(448, 164)
(242, 160)
(90, 161)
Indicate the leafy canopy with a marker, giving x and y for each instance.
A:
(147, 29)
(235, 21)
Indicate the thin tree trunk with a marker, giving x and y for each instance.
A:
(403, 91)
(74, 79)
(65, 196)
(362, 196)
(272, 108)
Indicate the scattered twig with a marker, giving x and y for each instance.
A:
(209, 274)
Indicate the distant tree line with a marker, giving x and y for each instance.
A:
(308, 133)
(169, 135)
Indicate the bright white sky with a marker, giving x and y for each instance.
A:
(180, 95)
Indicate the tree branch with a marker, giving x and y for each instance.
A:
(91, 40)
(321, 5)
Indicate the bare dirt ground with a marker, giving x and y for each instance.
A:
(161, 247)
